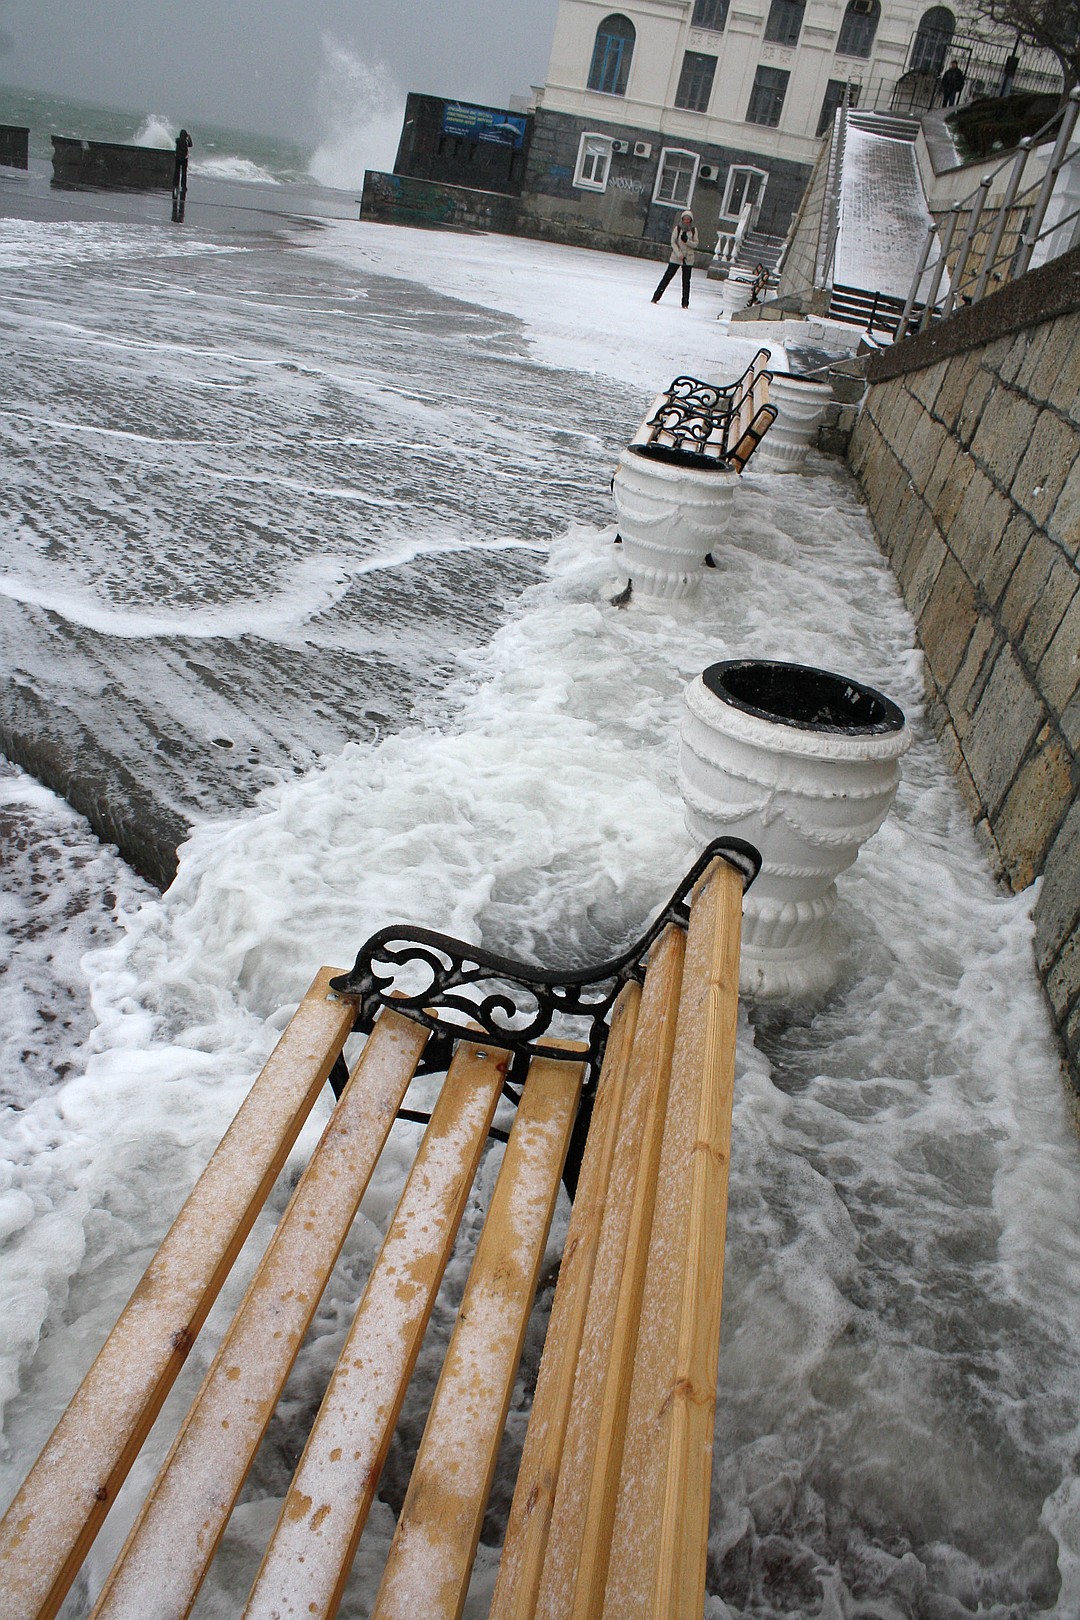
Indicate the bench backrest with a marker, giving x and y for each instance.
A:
(709, 423)
(616, 1403)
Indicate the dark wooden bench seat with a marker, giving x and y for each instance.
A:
(611, 1506)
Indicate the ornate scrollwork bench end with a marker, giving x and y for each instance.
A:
(456, 989)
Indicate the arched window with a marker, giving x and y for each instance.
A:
(932, 39)
(611, 55)
(858, 28)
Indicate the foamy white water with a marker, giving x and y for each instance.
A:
(897, 1424)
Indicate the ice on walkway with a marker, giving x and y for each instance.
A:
(883, 214)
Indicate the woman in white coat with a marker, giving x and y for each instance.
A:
(684, 241)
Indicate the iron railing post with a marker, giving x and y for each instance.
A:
(913, 293)
(965, 246)
(944, 250)
(1004, 210)
(1031, 235)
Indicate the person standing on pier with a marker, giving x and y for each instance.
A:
(179, 179)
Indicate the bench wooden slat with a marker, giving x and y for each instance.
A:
(307, 1562)
(660, 1539)
(431, 1557)
(526, 1541)
(174, 1538)
(52, 1522)
(576, 1564)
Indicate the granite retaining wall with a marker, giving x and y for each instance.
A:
(968, 453)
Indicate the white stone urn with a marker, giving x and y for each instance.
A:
(804, 765)
(671, 517)
(800, 405)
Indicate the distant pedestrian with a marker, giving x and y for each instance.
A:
(179, 178)
(952, 82)
(1008, 74)
(684, 241)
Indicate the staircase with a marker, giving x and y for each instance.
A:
(757, 248)
(894, 126)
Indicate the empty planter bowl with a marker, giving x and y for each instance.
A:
(670, 518)
(800, 406)
(804, 764)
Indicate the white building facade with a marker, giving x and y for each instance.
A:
(661, 105)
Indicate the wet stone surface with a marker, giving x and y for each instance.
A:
(254, 496)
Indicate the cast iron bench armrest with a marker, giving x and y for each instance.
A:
(612, 1407)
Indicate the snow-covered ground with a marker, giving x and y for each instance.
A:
(883, 214)
(897, 1426)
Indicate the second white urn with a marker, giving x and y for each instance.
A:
(803, 764)
(800, 406)
(670, 518)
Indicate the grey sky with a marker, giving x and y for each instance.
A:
(263, 64)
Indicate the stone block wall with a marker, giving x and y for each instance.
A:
(427, 151)
(395, 199)
(968, 453)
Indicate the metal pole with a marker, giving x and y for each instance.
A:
(1004, 210)
(939, 268)
(913, 291)
(1031, 235)
(965, 246)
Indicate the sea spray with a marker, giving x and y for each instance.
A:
(360, 112)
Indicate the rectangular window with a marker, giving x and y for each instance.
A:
(710, 14)
(834, 95)
(675, 179)
(784, 22)
(695, 82)
(767, 96)
(858, 28)
(593, 163)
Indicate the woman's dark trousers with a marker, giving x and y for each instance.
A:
(669, 275)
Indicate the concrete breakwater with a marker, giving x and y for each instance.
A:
(14, 146)
(110, 164)
(968, 454)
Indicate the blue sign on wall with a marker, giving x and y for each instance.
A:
(484, 124)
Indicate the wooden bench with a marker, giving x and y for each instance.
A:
(699, 424)
(611, 1507)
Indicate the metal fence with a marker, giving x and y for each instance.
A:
(981, 246)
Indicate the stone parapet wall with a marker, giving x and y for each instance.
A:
(968, 453)
(111, 165)
(396, 199)
(14, 146)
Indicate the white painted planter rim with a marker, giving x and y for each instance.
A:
(792, 380)
(678, 472)
(784, 737)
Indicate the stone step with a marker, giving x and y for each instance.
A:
(892, 125)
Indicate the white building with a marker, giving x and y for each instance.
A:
(665, 104)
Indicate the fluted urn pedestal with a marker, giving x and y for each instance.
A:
(800, 406)
(803, 764)
(670, 518)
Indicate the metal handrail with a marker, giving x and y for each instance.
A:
(970, 289)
